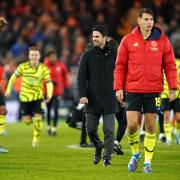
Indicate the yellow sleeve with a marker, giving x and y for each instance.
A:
(11, 83)
(49, 86)
(19, 70)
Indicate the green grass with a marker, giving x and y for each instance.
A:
(54, 160)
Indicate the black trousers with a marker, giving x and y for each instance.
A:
(92, 122)
(122, 124)
(53, 105)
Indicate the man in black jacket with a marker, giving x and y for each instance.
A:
(95, 88)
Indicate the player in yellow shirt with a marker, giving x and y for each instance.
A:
(33, 75)
(167, 106)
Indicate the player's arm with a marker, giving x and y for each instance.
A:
(49, 85)
(17, 73)
(10, 85)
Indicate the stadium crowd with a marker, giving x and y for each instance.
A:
(66, 26)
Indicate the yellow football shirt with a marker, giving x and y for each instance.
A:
(165, 93)
(32, 81)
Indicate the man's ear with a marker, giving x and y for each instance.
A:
(139, 20)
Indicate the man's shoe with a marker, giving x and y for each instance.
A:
(162, 137)
(147, 168)
(117, 149)
(49, 132)
(53, 131)
(86, 145)
(3, 150)
(168, 141)
(97, 155)
(132, 166)
(35, 144)
(106, 162)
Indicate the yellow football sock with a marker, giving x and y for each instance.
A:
(37, 129)
(177, 126)
(167, 130)
(2, 123)
(134, 142)
(149, 144)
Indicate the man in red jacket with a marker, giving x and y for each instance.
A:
(142, 57)
(58, 72)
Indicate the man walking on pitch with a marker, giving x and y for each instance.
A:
(142, 57)
(95, 89)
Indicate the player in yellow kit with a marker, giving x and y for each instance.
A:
(174, 105)
(33, 75)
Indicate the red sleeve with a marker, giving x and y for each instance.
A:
(121, 66)
(169, 64)
(65, 76)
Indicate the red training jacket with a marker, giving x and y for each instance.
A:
(58, 72)
(140, 64)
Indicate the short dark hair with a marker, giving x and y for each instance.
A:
(144, 10)
(50, 52)
(34, 48)
(102, 29)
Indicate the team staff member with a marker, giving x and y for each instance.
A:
(3, 110)
(58, 73)
(95, 89)
(142, 55)
(33, 74)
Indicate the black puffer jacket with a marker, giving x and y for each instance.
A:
(95, 79)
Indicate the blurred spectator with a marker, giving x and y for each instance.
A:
(58, 73)
(65, 24)
(20, 48)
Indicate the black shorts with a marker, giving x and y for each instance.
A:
(30, 108)
(168, 106)
(146, 102)
(2, 99)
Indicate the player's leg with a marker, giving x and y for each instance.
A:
(133, 109)
(49, 106)
(56, 116)
(3, 112)
(38, 122)
(166, 108)
(151, 102)
(177, 115)
(26, 112)
(122, 124)
(162, 137)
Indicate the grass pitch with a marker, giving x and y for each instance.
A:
(56, 159)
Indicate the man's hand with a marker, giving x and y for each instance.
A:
(84, 100)
(3, 22)
(120, 96)
(47, 100)
(172, 95)
(7, 94)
